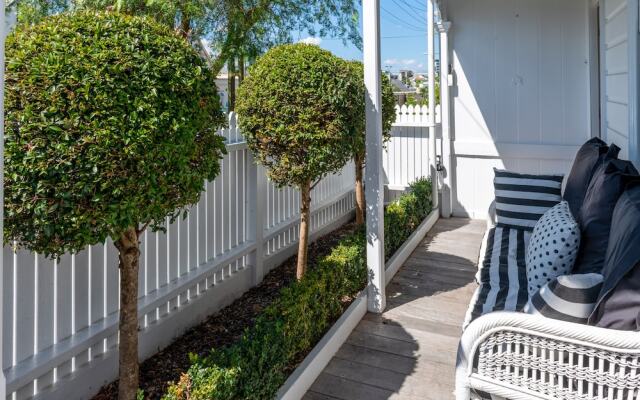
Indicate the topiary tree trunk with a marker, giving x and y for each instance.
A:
(305, 221)
(129, 247)
(231, 83)
(360, 201)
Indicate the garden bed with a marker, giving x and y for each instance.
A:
(259, 363)
(303, 377)
(223, 328)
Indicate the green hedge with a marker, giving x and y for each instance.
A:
(257, 365)
(403, 216)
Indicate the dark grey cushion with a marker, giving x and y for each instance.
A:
(619, 300)
(593, 153)
(604, 190)
(620, 309)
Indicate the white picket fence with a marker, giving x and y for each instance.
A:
(61, 317)
(406, 155)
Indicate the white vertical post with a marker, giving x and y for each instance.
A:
(257, 188)
(374, 186)
(445, 116)
(3, 33)
(431, 76)
(634, 81)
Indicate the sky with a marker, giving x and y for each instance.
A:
(403, 34)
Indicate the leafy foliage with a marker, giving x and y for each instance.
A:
(357, 111)
(32, 11)
(257, 366)
(294, 109)
(403, 216)
(259, 363)
(232, 27)
(111, 122)
(423, 99)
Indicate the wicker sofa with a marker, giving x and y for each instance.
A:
(522, 356)
(516, 356)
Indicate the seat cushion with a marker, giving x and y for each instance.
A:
(619, 300)
(553, 247)
(502, 276)
(591, 154)
(620, 309)
(521, 199)
(605, 188)
(569, 298)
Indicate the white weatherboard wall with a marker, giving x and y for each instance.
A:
(521, 94)
(619, 74)
(60, 317)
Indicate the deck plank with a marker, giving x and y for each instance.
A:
(409, 351)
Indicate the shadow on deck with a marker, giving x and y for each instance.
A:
(409, 351)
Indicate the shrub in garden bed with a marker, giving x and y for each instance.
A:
(257, 365)
(404, 215)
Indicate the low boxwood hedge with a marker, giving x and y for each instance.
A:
(403, 216)
(258, 364)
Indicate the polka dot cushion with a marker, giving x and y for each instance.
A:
(553, 247)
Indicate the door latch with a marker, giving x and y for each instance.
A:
(439, 166)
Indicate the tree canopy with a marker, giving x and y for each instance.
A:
(121, 131)
(231, 27)
(357, 114)
(294, 113)
(356, 73)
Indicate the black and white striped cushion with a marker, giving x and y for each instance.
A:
(503, 274)
(521, 199)
(569, 298)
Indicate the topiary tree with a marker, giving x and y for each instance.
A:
(111, 127)
(357, 117)
(294, 115)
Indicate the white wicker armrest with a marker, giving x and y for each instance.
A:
(522, 356)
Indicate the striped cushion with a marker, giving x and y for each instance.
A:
(568, 298)
(503, 274)
(521, 199)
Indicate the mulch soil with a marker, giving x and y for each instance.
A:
(222, 328)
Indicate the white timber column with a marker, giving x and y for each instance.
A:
(446, 208)
(374, 185)
(431, 77)
(3, 34)
(634, 81)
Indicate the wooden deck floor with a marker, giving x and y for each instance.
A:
(409, 351)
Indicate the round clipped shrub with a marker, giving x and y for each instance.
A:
(294, 112)
(358, 118)
(111, 125)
